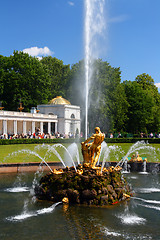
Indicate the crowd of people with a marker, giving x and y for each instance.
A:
(151, 135)
(142, 135)
(38, 135)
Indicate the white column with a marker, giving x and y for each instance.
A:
(33, 127)
(41, 127)
(4, 126)
(24, 127)
(15, 127)
(49, 127)
(55, 127)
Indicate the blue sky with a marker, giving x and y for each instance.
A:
(55, 27)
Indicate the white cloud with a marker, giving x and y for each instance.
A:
(157, 85)
(39, 58)
(71, 3)
(37, 52)
(121, 18)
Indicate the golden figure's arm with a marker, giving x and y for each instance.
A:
(89, 139)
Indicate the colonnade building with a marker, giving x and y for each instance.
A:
(56, 116)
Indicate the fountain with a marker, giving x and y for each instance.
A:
(124, 220)
(94, 25)
(47, 220)
(23, 218)
(137, 163)
(87, 184)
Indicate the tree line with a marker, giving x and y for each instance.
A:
(129, 106)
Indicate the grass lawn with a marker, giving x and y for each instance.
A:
(21, 153)
(24, 153)
(152, 153)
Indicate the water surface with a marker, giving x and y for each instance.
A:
(21, 217)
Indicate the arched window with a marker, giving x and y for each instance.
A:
(72, 124)
(72, 116)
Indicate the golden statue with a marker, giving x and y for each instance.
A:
(137, 158)
(91, 151)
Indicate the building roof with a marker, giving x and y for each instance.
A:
(59, 100)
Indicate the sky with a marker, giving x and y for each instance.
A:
(131, 39)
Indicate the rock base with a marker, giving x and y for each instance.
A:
(86, 186)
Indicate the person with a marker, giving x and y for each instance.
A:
(141, 135)
(94, 148)
(119, 135)
(29, 133)
(156, 135)
(111, 135)
(145, 135)
(151, 135)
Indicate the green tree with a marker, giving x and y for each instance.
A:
(76, 85)
(24, 79)
(143, 111)
(2, 61)
(107, 100)
(145, 80)
(58, 73)
(147, 84)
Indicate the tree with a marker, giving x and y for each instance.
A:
(2, 61)
(110, 103)
(107, 100)
(24, 79)
(147, 83)
(58, 73)
(143, 111)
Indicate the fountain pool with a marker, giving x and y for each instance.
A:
(21, 217)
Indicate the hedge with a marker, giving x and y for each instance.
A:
(71, 140)
(36, 141)
(132, 140)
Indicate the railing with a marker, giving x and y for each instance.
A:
(25, 114)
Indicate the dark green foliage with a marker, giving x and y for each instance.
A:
(144, 105)
(107, 100)
(71, 140)
(58, 73)
(25, 80)
(36, 141)
(131, 106)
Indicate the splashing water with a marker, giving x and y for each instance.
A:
(69, 153)
(150, 206)
(27, 214)
(94, 25)
(31, 153)
(19, 185)
(135, 148)
(74, 153)
(106, 150)
(144, 170)
(148, 190)
(60, 145)
(37, 155)
(51, 149)
(17, 189)
(130, 218)
(147, 200)
(111, 232)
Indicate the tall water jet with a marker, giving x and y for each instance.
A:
(94, 26)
